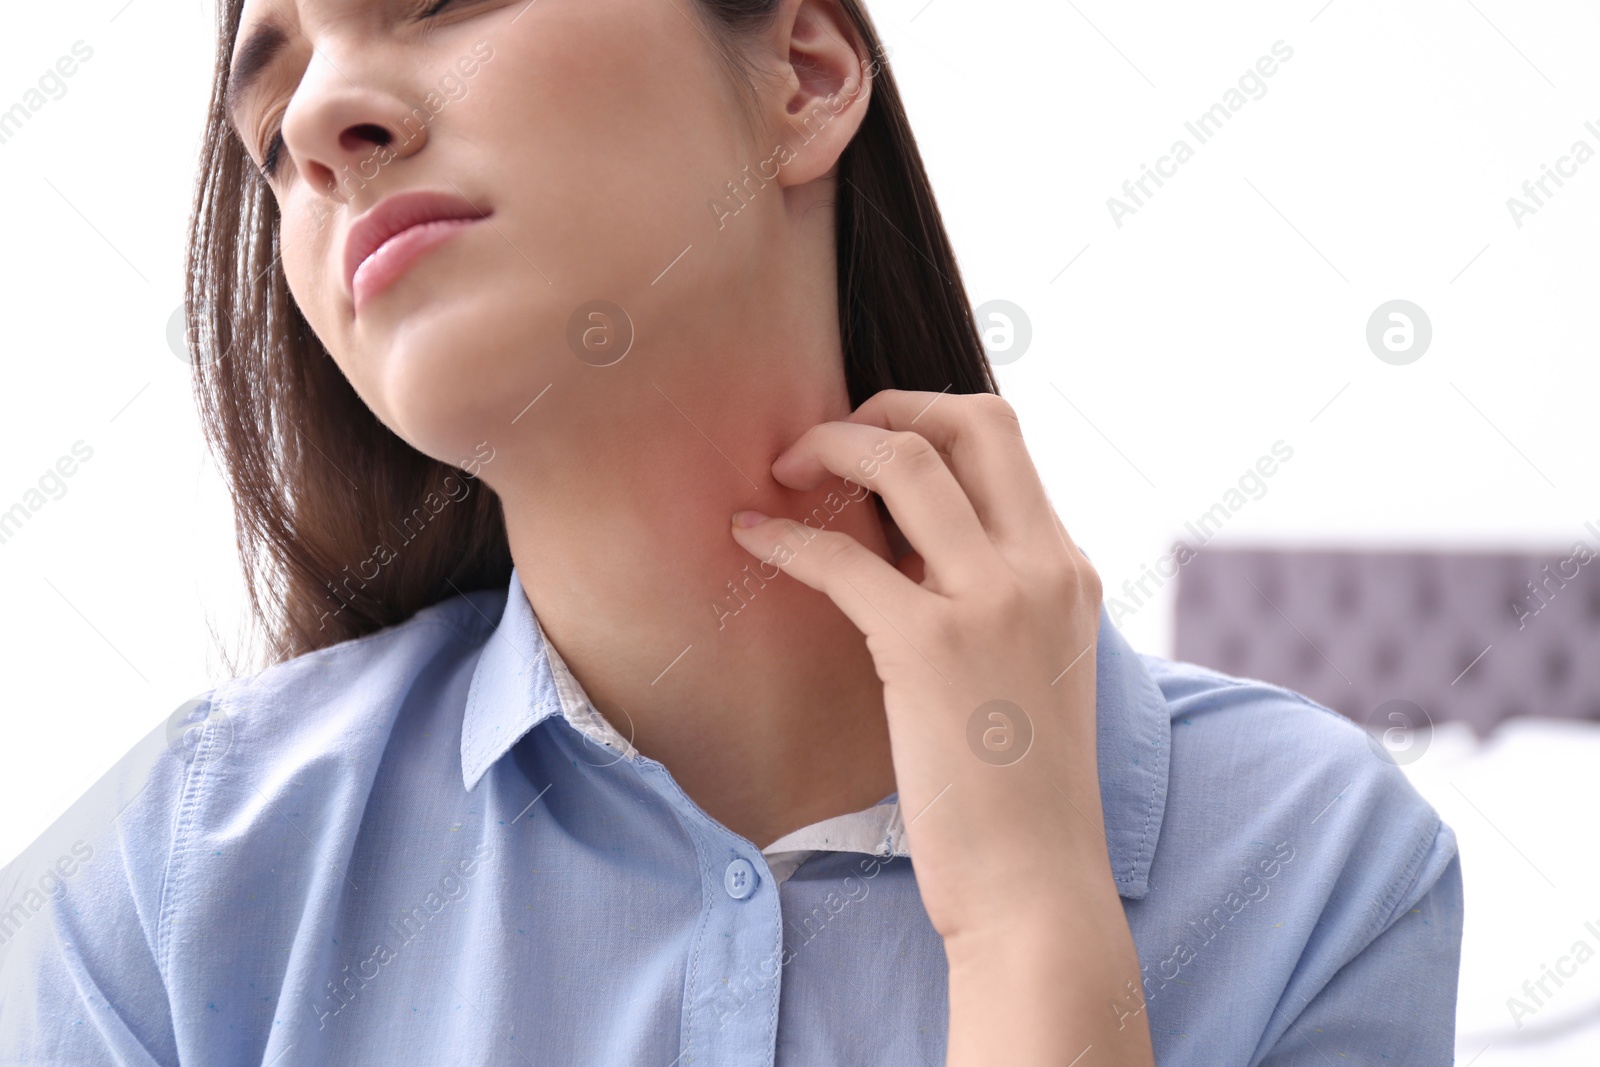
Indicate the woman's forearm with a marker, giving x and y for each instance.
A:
(1052, 986)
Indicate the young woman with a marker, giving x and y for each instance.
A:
(513, 321)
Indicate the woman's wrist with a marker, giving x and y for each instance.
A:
(1045, 985)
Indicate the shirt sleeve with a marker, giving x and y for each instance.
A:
(82, 976)
(1395, 1000)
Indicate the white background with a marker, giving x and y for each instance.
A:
(1167, 354)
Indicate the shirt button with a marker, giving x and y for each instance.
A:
(740, 879)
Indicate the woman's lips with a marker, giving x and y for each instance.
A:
(392, 258)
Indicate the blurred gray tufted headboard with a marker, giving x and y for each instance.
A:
(1468, 636)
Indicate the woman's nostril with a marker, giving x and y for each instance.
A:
(365, 133)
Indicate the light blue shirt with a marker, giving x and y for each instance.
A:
(425, 846)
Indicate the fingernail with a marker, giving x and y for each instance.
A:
(748, 518)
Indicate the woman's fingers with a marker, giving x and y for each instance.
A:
(861, 583)
(928, 505)
(987, 627)
(1066, 538)
(980, 434)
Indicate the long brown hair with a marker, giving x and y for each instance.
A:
(317, 480)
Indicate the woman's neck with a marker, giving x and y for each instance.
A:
(755, 691)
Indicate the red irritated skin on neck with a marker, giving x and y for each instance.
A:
(968, 634)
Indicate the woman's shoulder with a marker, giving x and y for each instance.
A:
(321, 720)
(1271, 724)
(197, 804)
(460, 623)
(324, 720)
(1245, 749)
(1296, 871)
(1271, 794)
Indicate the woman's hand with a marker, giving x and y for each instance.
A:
(984, 638)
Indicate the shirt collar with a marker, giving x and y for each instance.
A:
(520, 680)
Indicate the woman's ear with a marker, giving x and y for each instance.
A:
(824, 87)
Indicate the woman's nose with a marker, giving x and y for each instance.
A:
(346, 122)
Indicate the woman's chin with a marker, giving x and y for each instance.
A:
(444, 406)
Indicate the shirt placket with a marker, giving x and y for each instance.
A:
(735, 961)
